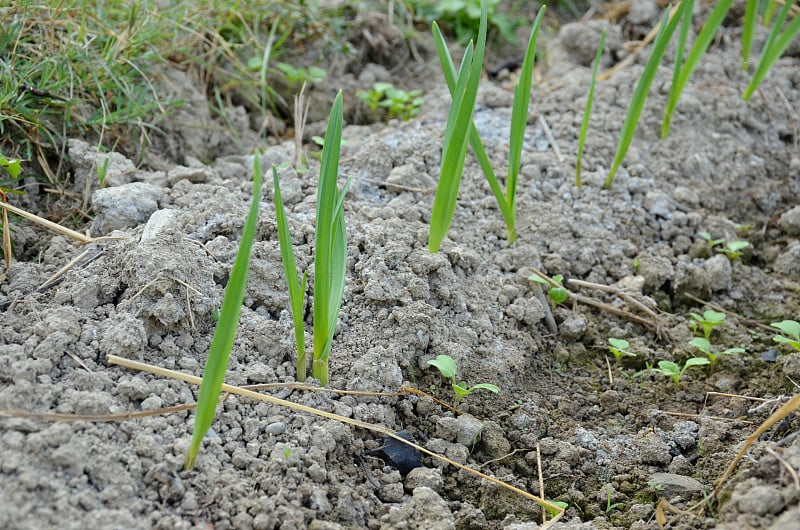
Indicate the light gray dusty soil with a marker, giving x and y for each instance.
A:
(151, 295)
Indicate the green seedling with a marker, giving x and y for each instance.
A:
(619, 348)
(733, 249)
(775, 46)
(708, 239)
(447, 367)
(330, 254)
(610, 506)
(464, 93)
(460, 128)
(665, 31)
(297, 289)
(12, 165)
(557, 292)
(399, 103)
(463, 17)
(225, 332)
(684, 69)
(748, 30)
(675, 371)
(705, 346)
(588, 110)
(790, 328)
(708, 321)
(299, 75)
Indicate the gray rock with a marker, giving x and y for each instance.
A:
(675, 485)
(124, 206)
(790, 221)
(162, 221)
(424, 476)
(464, 429)
(788, 262)
(425, 510)
(659, 204)
(493, 440)
(656, 271)
(759, 499)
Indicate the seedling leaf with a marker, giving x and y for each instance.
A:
(588, 110)
(446, 365)
(297, 289)
(225, 332)
(666, 29)
(454, 151)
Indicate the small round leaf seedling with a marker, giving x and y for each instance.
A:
(619, 347)
(708, 321)
(675, 372)
(447, 367)
(790, 328)
(705, 346)
(557, 293)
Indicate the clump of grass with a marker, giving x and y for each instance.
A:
(588, 111)
(666, 30)
(330, 254)
(225, 332)
(777, 42)
(460, 128)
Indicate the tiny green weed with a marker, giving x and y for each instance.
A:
(609, 506)
(448, 367)
(555, 290)
(225, 332)
(588, 110)
(674, 371)
(619, 348)
(462, 17)
(790, 328)
(733, 249)
(704, 345)
(297, 75)
(397, 102)
(665, 31)
(705, 236)
(707, 321)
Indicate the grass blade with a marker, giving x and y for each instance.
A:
(588, 111)
(450, 73)
(776, 45)
(330, 246)
(455, 143)
(698, 50)
(519, 120)
(748, 29)
(665, 31)
(222, 342)
(297, 289)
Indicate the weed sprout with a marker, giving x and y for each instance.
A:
(790, 328)
(448, 367)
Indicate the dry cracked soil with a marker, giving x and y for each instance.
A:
(613, 440)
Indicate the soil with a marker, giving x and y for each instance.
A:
(614, 440)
